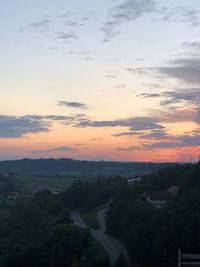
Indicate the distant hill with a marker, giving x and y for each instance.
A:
(79, 168)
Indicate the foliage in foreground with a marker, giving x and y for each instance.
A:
(152, 236)
(38, 232)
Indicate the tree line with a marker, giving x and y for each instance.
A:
(152, 236)
(38, 232)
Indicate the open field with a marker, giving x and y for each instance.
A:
(52, 183)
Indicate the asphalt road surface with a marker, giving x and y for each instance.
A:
(113, 247)
(101, 219)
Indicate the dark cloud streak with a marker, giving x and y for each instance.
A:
(128, 10)
(73, 104)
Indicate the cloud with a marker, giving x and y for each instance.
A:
(74, 24)
(122, 85)
(131, 10)
(191, 45)
(78, 144)
(131, 70)
(39, 24)
(73, 104)
(145, 125)
(159, 139)
(152, 134)
(110, 76)
(179, 141)
(183, 69)
(144, 71)
(186, 96)
(155, 132)
(64, 149)
(152, 122)
(149, 95)
(129, 133)
(14, 127)
(156, 135)
(137, 122)
(96, 139)
(159, 145)
(182, 14)
(67, 36)
(19, 126)
(128, 10)
(57, 149)
(87, 58)
(179, 115)
(139, 127)
(191, 16)
(128, 149)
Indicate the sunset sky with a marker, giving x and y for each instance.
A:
(100, 80)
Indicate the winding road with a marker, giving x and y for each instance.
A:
(113, 247)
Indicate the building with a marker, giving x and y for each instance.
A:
(134, 180)
(156, 198)
(159, 198)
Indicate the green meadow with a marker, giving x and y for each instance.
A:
(52, 183)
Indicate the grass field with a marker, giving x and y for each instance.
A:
(52, 183)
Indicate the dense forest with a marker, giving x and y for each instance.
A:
(37, 230)
(79, 168)
(151, 235)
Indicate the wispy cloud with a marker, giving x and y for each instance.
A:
(14, 127)
(184, 69)
(135, 122)
(152, 122)
(39, 24)
(159, 139)
(63, 149)
(191, 45)
(179, 141)
(121, 85)
(111, 76)
(179, 96)
(128, 10)
(129, 134)
(19, 126)
(145, 125)
(73, 104)
(128, 149)
(182, 14)
(138, 127)
(191, 16)
(131, 10)
(67, 36)
(156, 135)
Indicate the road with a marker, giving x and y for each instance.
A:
(77, 220)
(113, 247)
(101, 219)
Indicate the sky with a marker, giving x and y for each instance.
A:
(100, 80)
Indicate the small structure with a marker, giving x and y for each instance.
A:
(156, 198)
(131, 181)
(159, 198)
